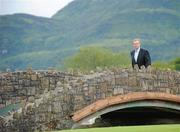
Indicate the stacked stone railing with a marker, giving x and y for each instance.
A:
(48, 99)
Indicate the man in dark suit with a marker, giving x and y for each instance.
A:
(140, 56)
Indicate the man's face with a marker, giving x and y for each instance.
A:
(136, 44)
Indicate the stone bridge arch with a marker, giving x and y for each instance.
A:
(88, 114)
(56, 95)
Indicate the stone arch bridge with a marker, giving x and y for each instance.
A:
(51, 100)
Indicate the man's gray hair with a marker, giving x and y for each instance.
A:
(137, 39)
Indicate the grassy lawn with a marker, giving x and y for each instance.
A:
(153, 128)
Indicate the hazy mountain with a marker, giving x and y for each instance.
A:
(27, 40)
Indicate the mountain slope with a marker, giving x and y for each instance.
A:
(118, 22)
(27, 40)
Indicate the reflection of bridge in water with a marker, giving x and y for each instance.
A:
(58, 100)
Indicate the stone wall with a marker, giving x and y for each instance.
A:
(49, 98)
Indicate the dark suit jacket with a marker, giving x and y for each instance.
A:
(143, 58)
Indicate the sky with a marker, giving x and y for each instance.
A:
(45, 8)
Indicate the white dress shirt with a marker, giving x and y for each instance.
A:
(136, 53)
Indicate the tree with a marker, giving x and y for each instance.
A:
(89, 58)
(177, 64)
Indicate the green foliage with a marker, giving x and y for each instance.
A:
(90, 58)
(177, 64)
(163, 65)
(172, 65)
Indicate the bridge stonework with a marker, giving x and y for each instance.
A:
(48, 100)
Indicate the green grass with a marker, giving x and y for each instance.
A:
(152, 128)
